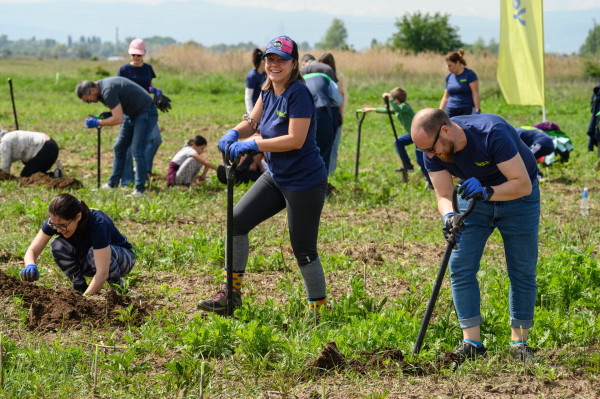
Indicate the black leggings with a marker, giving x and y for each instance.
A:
(43, 160)
(266, 198)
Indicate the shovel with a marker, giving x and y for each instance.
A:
(442, 270)
(230, 175)
(404, 166)
(360, 121)
(103, 115)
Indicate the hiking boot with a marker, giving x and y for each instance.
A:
(522, 352)
(467, 350)
(218, 303)
(410, 168)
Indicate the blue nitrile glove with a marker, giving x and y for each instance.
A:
(92, 122)
(30, 273)
(472, 188)
(237, 149)
(449, 229)
(228, 138)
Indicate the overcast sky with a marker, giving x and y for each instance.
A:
(567, 22)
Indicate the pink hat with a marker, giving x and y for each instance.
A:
(137, 46)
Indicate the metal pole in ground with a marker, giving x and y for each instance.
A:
(360, 121)
(441, 271)
(12, 97)
(230, 175)
(404, 166)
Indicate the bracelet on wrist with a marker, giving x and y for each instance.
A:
(254, 124)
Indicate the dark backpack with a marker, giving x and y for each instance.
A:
(594, 128)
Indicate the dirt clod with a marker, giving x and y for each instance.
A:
(41, 179)
(62, 309)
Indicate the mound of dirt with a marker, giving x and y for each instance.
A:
(41, 179)
(6, 176)
(62, 309)
(389, 359)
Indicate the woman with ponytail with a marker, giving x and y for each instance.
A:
(254, 80)
(87, 244)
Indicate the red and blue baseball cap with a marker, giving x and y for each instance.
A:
(284, 47)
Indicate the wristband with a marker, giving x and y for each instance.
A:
(489, 191)
(255, 125)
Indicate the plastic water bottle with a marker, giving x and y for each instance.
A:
(584, 209)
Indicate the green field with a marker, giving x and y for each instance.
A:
(380, 243)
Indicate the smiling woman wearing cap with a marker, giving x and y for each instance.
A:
(296, 179)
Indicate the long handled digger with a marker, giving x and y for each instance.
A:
(103, 115)
(12, 97)
(404, 165)
(230, 175)
(360, 121)
(442, 270)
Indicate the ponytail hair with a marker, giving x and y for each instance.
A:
(456, 56)
(197, 140)
(257, 57)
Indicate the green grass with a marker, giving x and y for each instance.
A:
(380, 242)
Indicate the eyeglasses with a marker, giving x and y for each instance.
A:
(432, 148)
(136, 55)
(61, 227)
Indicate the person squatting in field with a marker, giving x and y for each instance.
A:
(296, 179)
(404, 113)
(186, 164)
(37, 151)
(141, 73)
(87, 244)
(132, 108)
(501, 173)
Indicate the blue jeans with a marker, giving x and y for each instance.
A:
(134, 132)
(402, 142)
(518, 223)
(154, 142)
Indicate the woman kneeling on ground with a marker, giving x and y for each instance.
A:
(87, 245)
(296, 179)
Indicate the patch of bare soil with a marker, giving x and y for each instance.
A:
(62, 309)
(384, 360)
(41, 179)
(6, 176)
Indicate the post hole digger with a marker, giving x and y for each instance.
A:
(360, 116)
(103, 115)
(405, 167)
(457, 226)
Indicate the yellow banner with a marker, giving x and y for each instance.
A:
(521, 52)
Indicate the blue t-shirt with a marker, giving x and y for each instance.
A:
(118, 90)
(141, 75)
(490, 141)
(299, 169)
(460, 95)
(255, 80)
(100, 233)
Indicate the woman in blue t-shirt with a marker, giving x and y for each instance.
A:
(461, 96)
(296, 179)
(141, 73)
(87, 244)
(254, 79)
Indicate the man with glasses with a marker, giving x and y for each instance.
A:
(500, 172)
(131, 107)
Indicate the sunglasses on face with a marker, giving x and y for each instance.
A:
(432, 148)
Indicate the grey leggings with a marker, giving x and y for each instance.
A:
(76, 266)
(265, 199)
(187, 171)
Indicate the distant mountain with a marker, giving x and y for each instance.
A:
(210, 23)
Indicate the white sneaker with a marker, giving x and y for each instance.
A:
(136, 194)
(106, 186)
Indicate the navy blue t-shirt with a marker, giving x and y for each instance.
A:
(459, 89)
(490, 141)
(100, 233)
(118, 90)
(141, 75)
(255, 80)
(299, 169)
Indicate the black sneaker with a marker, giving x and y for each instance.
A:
(218, 303)
(522, 352)
(467, 350)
